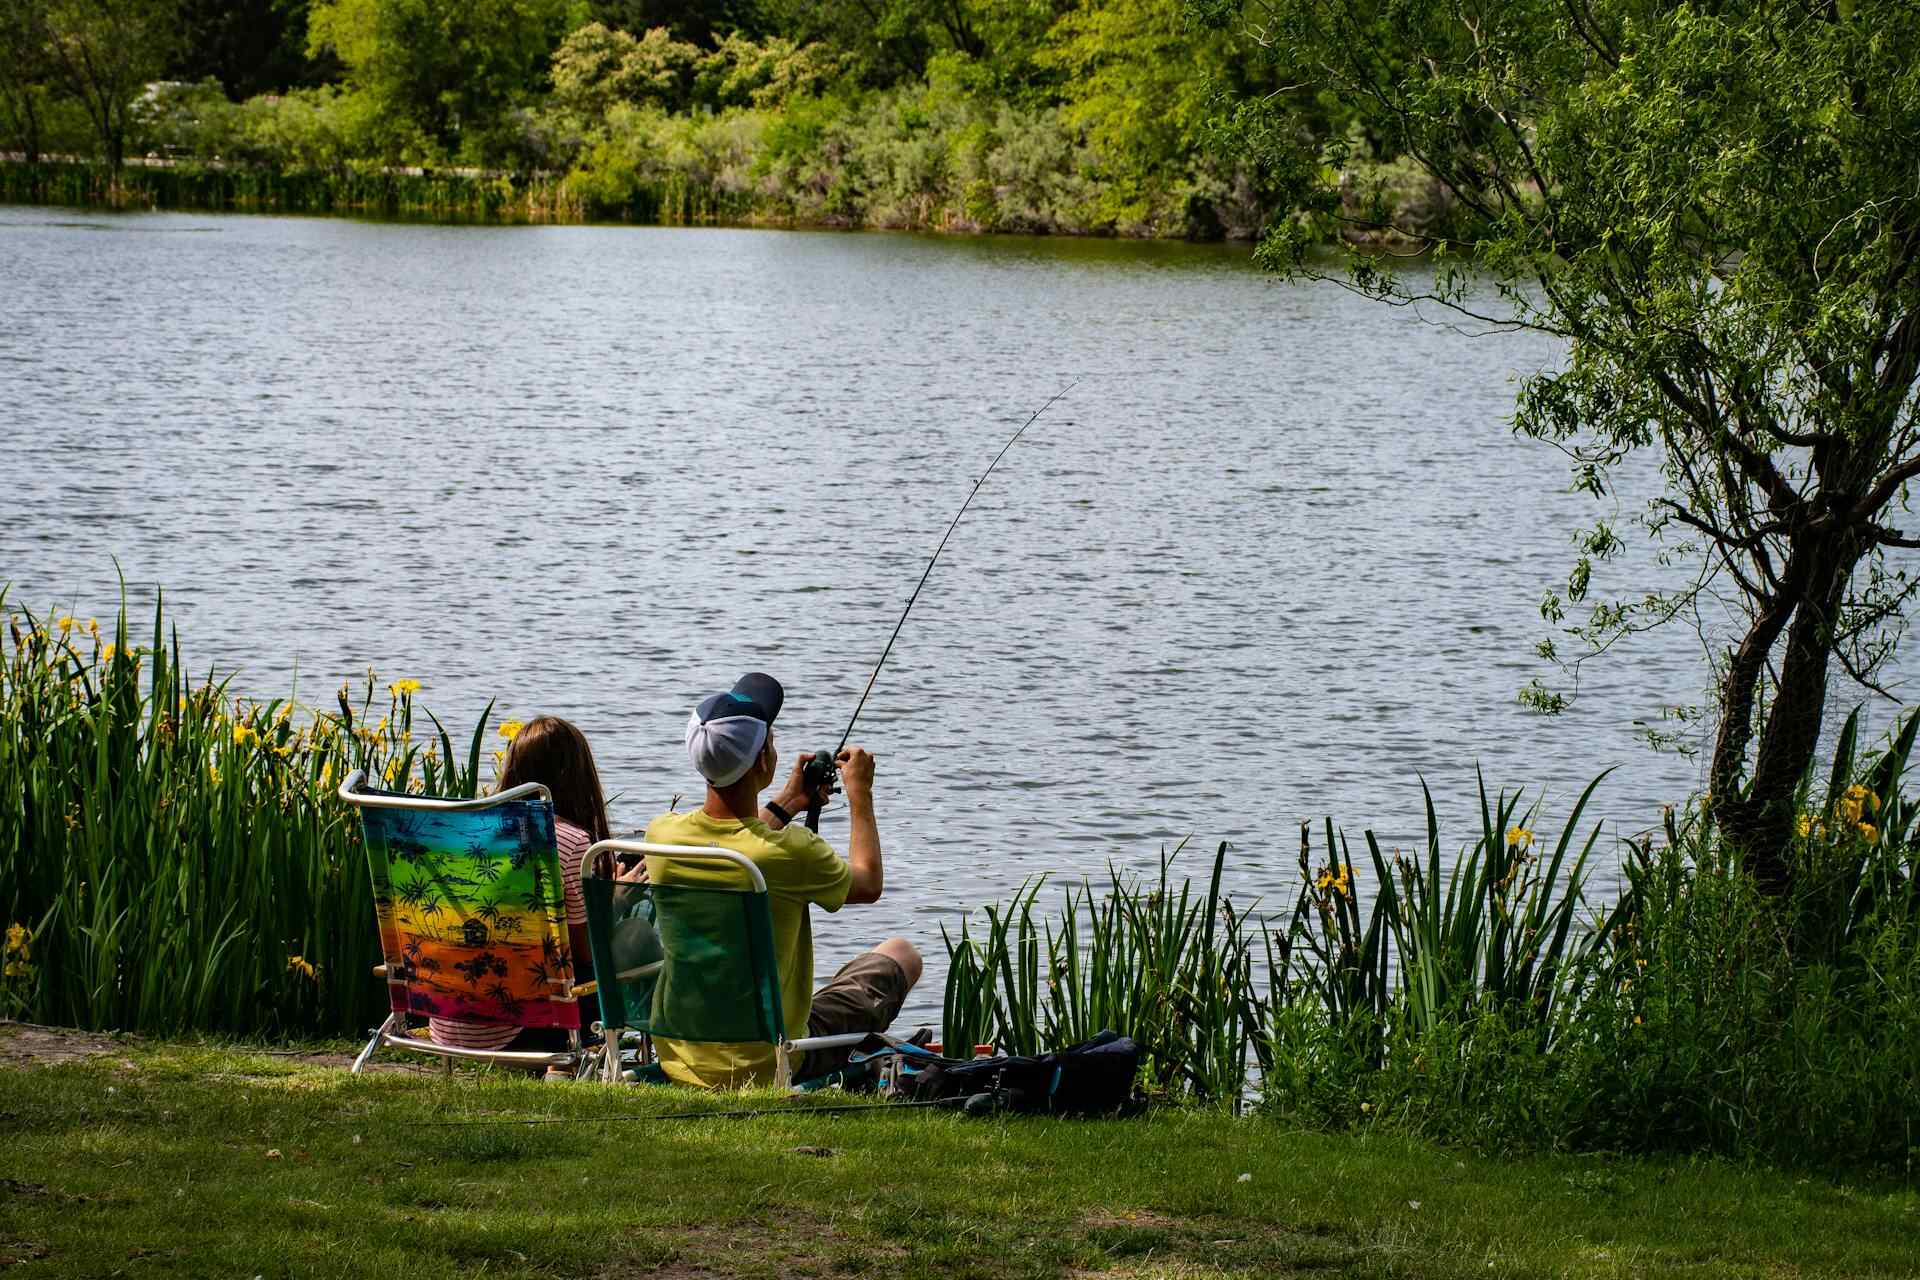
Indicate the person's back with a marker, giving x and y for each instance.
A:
(730, 739)
(800, 869)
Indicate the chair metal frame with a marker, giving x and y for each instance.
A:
(393, 1031)
(786, 1046)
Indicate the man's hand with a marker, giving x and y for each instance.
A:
(795, 797)
(856, 773)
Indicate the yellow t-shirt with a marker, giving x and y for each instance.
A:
(800, 868)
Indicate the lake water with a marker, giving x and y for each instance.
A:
(1276, 555)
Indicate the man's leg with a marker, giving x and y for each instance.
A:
(865, 995)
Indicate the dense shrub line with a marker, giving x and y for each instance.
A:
(1491, 1004)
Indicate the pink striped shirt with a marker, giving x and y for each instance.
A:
(467, 1033)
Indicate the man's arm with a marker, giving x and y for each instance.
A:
(863, 838)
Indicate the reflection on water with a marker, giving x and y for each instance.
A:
(1276, 556)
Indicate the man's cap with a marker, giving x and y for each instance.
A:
(726, 731)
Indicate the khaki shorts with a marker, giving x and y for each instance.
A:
(865, 995)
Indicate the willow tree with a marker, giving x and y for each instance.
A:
(1716, 207)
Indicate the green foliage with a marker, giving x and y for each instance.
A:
(98, 54)
(436, 68)
(1139, 79)
(596, 69)
(963, 115)
(176, 858)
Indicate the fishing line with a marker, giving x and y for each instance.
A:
(931, 560)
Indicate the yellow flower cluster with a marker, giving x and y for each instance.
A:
(1341, 884)
(19, 951)
(510, 729)
(1857, 802)
(302, 966)
(245, 734)
(1858, 806)
(1519, 838)
(404, 688)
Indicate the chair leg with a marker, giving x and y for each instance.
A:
(782, 1066)
(379, 1034)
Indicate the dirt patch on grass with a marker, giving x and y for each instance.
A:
(26, 1044)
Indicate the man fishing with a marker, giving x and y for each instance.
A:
(730, 739)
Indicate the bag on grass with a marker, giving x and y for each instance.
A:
(1092, 1078)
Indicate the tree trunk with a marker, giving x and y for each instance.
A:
(1757, 818)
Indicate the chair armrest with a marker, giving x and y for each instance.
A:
(640, 971)
(380, 971)
(829, 1042)
(586, 989)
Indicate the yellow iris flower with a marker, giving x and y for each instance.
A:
(1519, 837)
(510, 729)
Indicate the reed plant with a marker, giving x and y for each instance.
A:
(1168, 966)
(172, 856)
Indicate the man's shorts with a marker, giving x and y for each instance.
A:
(865, 995)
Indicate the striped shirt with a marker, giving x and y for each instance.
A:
(466, 1033)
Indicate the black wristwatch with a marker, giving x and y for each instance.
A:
(774, 807)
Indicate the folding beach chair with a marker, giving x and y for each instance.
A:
(473, 922)
(710, 977)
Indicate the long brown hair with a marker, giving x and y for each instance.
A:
(550, 751)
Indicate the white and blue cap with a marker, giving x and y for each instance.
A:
(727, 731)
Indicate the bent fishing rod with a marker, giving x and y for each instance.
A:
(820, 767)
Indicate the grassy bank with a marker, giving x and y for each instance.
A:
(173, 858)
(175, 1160)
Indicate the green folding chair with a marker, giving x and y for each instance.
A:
(473, 924)
(690, 963)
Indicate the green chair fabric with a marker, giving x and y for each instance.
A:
(716, 978)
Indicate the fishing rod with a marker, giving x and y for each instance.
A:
(755, 1112)
(820, 766)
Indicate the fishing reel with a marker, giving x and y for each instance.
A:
(820, 774)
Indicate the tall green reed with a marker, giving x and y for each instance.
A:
(1223, 1001)
(1171, 967)
(173, 857)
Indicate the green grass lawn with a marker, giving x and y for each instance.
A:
(179, 1160)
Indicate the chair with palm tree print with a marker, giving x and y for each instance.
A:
(472, 920)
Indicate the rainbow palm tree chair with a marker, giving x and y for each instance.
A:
(472, 919)
(688, 962)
